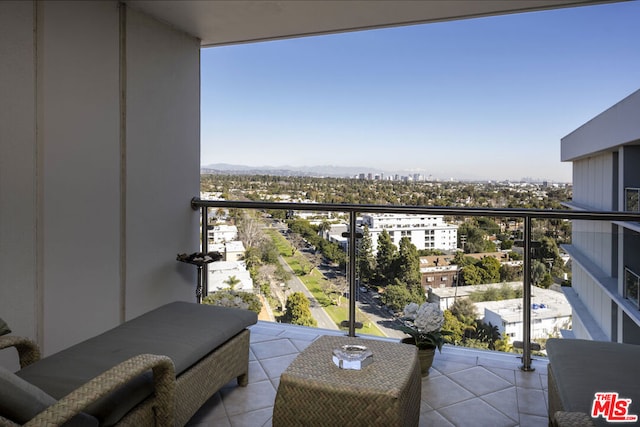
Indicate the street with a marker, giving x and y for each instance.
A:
(367, 303)
(318, 313)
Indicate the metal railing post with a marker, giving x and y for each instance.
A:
(526, 298)
(352, 273)
(205, 249)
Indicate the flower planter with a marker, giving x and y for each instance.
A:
(425, 356)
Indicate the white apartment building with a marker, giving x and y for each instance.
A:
(223, 233)
(605, 153)
(550, 310)
(550, 315)
(231, 251)
(335, 235)
(445, 297)
(424, 231)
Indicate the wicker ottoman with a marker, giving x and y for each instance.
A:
(315, 392)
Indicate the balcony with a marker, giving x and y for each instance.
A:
(501, 388)
(465, 387)
(100, 150)
(593, 242)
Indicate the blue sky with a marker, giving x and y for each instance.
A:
(485, 98)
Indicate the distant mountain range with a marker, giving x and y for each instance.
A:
(314, 171)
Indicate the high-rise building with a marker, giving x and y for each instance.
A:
(606, 267)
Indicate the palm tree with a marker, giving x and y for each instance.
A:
(232, 281)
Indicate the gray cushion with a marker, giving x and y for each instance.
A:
(581, 368)
(4, 328)
(21, 401)
(186, 332)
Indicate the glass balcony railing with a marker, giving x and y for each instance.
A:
(632, 287)
(343, 294)
(632, 199)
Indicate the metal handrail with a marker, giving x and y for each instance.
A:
(595, 215)
(354, 209)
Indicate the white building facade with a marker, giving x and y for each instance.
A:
(223, 233)
(550, 315)
(605, 266)
(424, 231)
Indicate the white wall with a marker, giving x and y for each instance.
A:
(596, 301)
(18, 262)
(79, 128)
(593, 181)
(616, 126)
(163, 162)
(94, 192)
(593, 187)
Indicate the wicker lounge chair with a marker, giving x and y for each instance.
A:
(157, 369)
(578, 369)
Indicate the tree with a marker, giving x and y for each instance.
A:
(471, 275)
(407, 267)
(232, 281)
(486, 332)
(385, 258)
(365, 258)
(547, 281)
(237, 299)
(464, 310)
(548, 249)
(252, 257)
(538, 272)
(297, 242)
(339, 286)
(510, 273)
(455, 326)
(281, 274)
(496, 293)
(315, 259)
(297, 310)
(549, 254)
(488, 225)
(506, 244)
(397, 296)
(490, 267)
(269, 251)
(462, 260)
(323, 227)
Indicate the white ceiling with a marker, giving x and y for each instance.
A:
(220, 22)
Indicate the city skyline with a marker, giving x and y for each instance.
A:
(484, 98)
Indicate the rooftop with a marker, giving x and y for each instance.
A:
(465, 387)
(546, 304)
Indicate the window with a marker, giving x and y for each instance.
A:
(632, 199)
(631, 287)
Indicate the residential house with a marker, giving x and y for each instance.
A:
(223, 233)
(221, 273)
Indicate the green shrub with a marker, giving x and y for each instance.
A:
(231, 298)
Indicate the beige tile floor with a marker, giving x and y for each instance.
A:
(465, 387)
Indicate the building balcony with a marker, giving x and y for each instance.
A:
(465, 387)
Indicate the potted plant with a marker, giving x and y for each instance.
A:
(424, 325)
